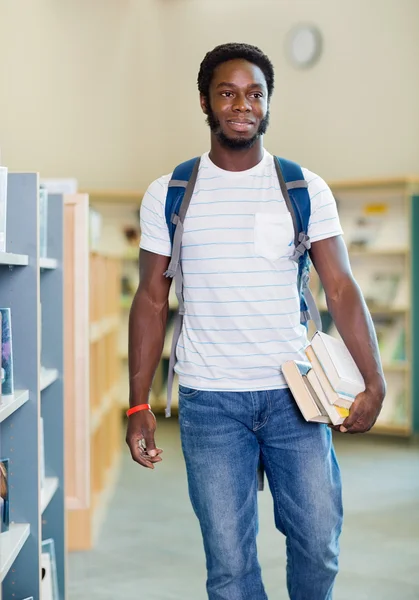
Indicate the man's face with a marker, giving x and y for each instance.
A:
(238, 104)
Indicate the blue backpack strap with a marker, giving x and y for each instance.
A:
(179, 195)
(176, 191)
(295, 191)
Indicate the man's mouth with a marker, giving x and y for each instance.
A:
(240, 124)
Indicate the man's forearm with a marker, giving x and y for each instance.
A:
(354, 323)
(147, 326)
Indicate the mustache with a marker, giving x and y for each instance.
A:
(231, 142)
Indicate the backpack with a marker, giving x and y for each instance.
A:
(295, 191)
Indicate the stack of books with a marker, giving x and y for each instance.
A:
(325, 386)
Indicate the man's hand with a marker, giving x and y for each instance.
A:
(363, 413)
(140, 438)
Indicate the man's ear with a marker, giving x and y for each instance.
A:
(203, 102)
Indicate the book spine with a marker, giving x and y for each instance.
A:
(7, 386)
(3, 207)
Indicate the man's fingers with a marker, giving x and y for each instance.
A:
(139, 455)
(150, 443)
(350, 420)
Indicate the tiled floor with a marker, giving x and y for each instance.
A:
(150, 545)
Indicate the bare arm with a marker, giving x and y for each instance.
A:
(353, 321)
(147, 326)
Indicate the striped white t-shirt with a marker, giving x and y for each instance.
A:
(242, 318)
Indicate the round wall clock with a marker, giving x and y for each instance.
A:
(304, 46)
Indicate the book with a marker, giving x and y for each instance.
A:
(382, 289)
(46, 578)
(338, 365)
(4, 495)
(49, 583)
(3, 207)
(295, 373)
(7, 385)
(336, 414)
(332, 396)
(367, 225)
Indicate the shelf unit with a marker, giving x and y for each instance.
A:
(93, 420)
(390, 207)
(399, 193)
(35, 514)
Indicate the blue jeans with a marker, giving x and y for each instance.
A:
(223, 436)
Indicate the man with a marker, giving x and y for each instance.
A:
(242, 322)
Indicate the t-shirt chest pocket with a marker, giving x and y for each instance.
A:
(273, 235)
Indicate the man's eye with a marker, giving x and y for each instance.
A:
(257, 95)
(227, 94)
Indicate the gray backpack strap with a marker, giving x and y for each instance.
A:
(175, 270)
(313, 311)
(302, 245)
(284, 190)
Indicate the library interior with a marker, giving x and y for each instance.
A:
(99, 100)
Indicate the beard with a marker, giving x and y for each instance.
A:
(235, 143)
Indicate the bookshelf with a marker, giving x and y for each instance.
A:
(396, 248)
(379, 219)
(36, 508)
(93, 421)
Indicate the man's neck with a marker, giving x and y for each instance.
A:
(235, 160)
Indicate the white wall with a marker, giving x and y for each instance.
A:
(105, 90)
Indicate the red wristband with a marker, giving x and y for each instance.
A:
(135, 409)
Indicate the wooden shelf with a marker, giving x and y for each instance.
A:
(99, 329)
(389, 429)
(11, 403)
(48, 263)
(47, 492)
(48, 376)
(385, 310)
(397, 367)
(115, 196)
(8, 258)
(378, 252)
(382, 183)
(98, 414)
(11, 543)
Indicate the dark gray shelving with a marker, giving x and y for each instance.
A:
(25, 283)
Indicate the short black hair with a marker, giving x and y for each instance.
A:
(232, 51)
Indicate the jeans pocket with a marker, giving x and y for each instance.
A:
(187, 393)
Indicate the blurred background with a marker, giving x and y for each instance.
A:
(98, 98)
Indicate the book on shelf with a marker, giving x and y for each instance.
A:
(43, 222)
(391, 337)
(4, 495)
(7, 385)
(309, 396)
(382, 289)
(366, 226)
(3, 207)
(49, 580)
